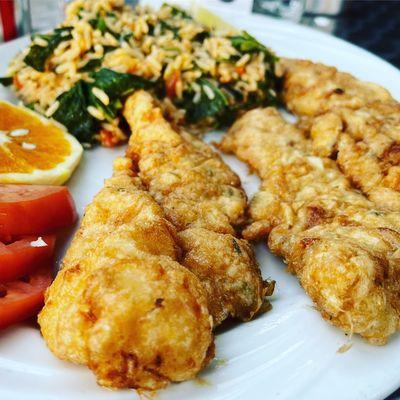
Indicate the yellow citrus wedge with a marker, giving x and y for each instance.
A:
(209, 19)
(33, 149)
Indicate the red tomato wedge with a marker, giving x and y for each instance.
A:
(170, 84)
(24, 256)
(29, 209)
(20, 300)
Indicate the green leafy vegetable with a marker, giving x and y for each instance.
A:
(178, 12)
(207, 106)
(72, 111)
(98, 23)
(165, 26)
(38, 55)
(31, 106)
(117, 84)
(126, 36)
(6, 80)
(246, 43)
(92, 65)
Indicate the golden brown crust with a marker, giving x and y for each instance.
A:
(344, 250)
(121, 303)
(311, 89)
(357, 123)
(204, 200)
(366, 143)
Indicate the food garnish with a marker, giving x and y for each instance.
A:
(204, 74)
(27, 215)
(23, 256)
(34, 150)
(23, 298)
(32, 209)
(82, 108)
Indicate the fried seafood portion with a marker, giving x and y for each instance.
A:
(311, 89)
(343, 249)
(357, 123)
(121, 304)
(366, 145)
(203, 199)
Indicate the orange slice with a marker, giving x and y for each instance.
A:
(33, 149)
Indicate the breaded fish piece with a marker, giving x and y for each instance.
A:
(311, 89)
(203, 199)
(355, 122)
(122, 304)
(345, 251)
(366, 144)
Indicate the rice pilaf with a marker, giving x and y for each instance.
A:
(80, 73)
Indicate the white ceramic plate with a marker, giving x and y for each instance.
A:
(288, 353)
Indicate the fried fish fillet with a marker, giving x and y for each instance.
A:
(311, 89)
(366, 144)
(203, 199)
(345, 251)
(122, 304)
(356, 122)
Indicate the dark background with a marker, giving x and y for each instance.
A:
(371, 24)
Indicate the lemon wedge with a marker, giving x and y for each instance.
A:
(209, 19)
(33, 149)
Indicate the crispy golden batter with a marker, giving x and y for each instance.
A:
(344, 251)
(203, 198)
(366, 143)
(121, 304)
(356, 122)
(310, 89)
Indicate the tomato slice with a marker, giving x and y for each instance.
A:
(30, 209)
(170, 84)
(22, 299)
(24, 256)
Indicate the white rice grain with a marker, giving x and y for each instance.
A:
(197, 97)
(40, 42)
(208, 91)
(101, 95)
(52, 109)
(96, 113)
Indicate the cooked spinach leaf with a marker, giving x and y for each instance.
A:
(165, 26)
(98, 23)
(6, 80)
(91, 65)
(201, 36)
(246, 43)
(117, 84)
(212, 102)
(38, 55)
(72, 112)
(178, 12)
(31, 106)
(126, 36)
